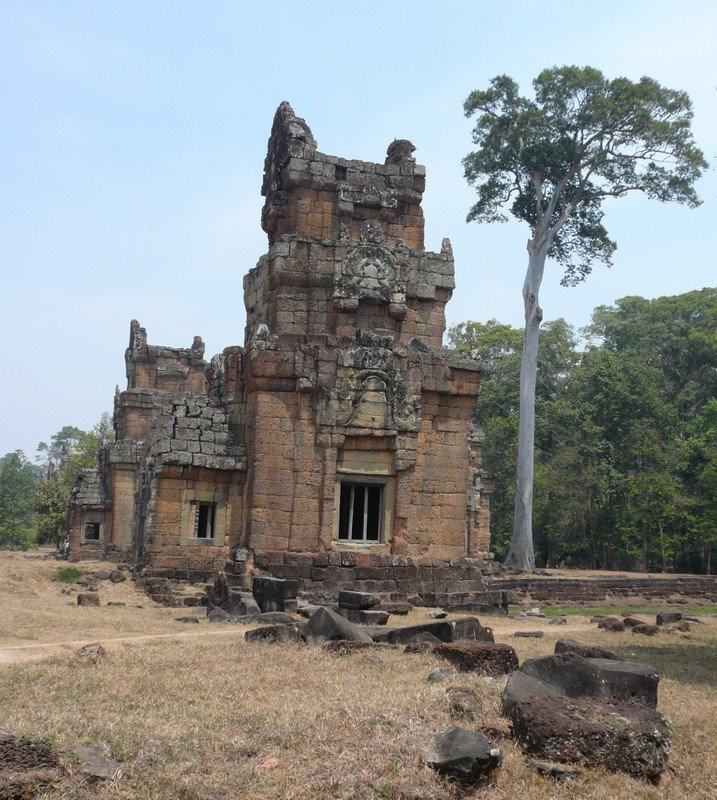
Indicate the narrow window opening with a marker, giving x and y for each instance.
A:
(360, 512)
(204, 520)
(92, 531)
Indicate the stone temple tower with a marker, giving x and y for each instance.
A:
(336, 446)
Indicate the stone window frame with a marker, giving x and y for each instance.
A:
(92, 519)
(191, 498)
(350, 470)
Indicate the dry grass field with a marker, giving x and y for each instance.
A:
(195, 713)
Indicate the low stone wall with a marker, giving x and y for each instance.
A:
(568, 591)
(430, 582)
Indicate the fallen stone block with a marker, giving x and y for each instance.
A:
(242, 604)
(619, 736)
(631, 622)
(398, 608)
(218, 614)
(463, 755)
(268, 592)
(437, 614)
(88, 599)
(682, 626)
(276, 616)
(612, 624)
(326, 625)
(529, 634)
(646, 629)
(117, 576)
(558, 621)
(468, 628)
(600, 711)
(187, 619)
(668, 617)
(361, 617)
(584, 650)
(358, 601)
(274, 633)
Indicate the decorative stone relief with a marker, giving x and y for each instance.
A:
(370, 273)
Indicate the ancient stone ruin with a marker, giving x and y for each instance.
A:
(335, 448)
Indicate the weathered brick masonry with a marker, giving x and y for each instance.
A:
(334, 447)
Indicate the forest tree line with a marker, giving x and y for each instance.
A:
(34, 495)
(626, 434)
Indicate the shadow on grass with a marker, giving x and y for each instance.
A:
(693, 663)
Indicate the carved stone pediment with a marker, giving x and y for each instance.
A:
(369, 273)
(371, 393)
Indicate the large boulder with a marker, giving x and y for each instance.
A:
(358, 601)
(601, 711)
(325, 625)
(485, 658)
(463, 755)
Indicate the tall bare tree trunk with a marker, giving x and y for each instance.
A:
(521, 555)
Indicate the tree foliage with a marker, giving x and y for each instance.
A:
(18, 478)
(626, 468)
(551, 161)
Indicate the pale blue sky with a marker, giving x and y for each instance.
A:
(132, 144)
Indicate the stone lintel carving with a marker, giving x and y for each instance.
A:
(368, 196)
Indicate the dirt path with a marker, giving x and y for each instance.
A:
(19, 653)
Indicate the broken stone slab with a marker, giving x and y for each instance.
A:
(529, 634)
(646, 629)
(358, 601)
(88, 599)
(274, 633)
(558, 621)
(668, 617)
(326, 625)
(584, 650)
(465, 756)
(484, 658)
(533, 612)
(95, 765)
(361, 617)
